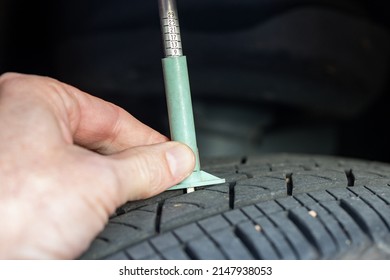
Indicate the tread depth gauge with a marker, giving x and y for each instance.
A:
(178, 94)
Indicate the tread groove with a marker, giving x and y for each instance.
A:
(124, 224)
(280, 204)
(158, 253)
(216, 191)
(350, 177)
(198, 205)
(187, 249)
(244, 160)
(127, 255)
(331, 194)
(256, 186)
(289, 184)
(232, 195)
(104, 239)
(160, 207)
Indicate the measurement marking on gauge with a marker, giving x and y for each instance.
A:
(170, 30)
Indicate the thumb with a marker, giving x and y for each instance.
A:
(146, 171)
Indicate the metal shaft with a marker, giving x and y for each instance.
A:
(170, 28)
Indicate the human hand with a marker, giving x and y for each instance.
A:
(67, 161)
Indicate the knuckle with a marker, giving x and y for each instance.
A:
(17, 85)
(9, 79)
(106, 191)
(10, 75)
(152, 173)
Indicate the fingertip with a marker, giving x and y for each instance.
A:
(181, 161)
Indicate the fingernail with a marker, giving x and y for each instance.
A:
(181, 161)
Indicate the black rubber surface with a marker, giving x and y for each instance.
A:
(272, 207)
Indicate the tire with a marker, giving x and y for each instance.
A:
(272, 207)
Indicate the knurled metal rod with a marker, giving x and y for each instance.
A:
(170, 28)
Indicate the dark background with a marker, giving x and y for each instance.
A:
(266, 75)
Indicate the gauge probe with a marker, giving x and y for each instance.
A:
(178, 94)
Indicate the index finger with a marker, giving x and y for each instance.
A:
(90, 121)
(107, 128)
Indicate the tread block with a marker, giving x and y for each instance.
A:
(382, 192)
(188, 232)
(366, 217)
(174, 254)
(367, 176)
(258, 189)
(152, 258)
(321, 196)
(298, 241)
(361, 211)
(330, 223)
(277, 239)
(252, 212)
(214, 224)
(288, 203)
(333, 227)
(190, 207)
(142, 251)
(314, 231)
(274, 182)
(235, 216)
(349, 226)
(269, 207)
(378, 205)
(204, 249)
(256, 241)
(314, 180)
(115, 237)
(231, 177)
(232, 247)
(221, 163)
(342, 193)
(254, 171)
(138, 220)
(164, 242)
(118, 256)
(305, 199)
(140, 204)
(97, 250)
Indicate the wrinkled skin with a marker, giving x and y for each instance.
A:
(67, 161)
